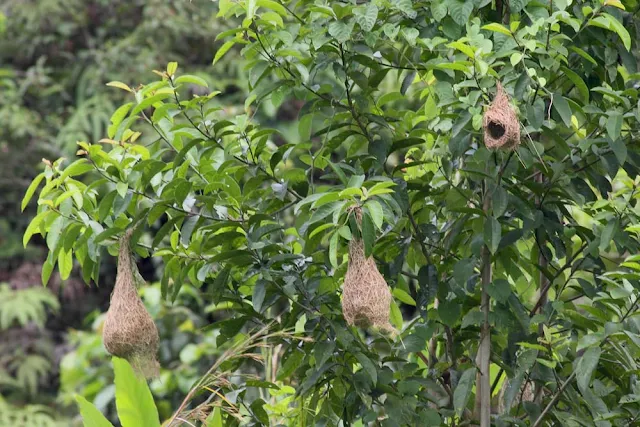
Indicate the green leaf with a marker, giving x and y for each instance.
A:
(614, 125)
(404, 297)
(492, 234)
(561, 105)
(259, 292)
(79, 167)
(91, 416)
(498, 28)
(368, 367)
(65, 264)
(368, 234)
(32, 189)
(333, 250)
(187, 78)
(375, 210)
(148, 102)
(120, 85)
(406, 7)
(438, 10)
(617, 27)
(499, 202)
(272, 5)
(134, 402)
(578, 82)
(215, 419)
(117, 118)
(463, 391)
(366, 16)
(259, 412)
(500, 290)
(460, 11)
(223, 49)
(396, 315)
(619, 148)
(585, 367)
(607, 234)
(449, 312)
(341, 31)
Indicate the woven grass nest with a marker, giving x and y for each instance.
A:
(129, 331)
(366, 297)
(500, 122)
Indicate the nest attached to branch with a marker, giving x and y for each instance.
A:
(500, 122)
(129, 331)
(366, 297)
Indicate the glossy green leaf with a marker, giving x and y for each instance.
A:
(133, 398)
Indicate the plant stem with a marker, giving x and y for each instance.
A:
(483, 359)
(553, 401)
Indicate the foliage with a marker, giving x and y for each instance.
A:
(133, 398)
(30, 415)
(26, 366)
(521, 259)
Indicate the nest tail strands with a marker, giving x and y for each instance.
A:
(500, 122)
(129, 331)
(366, 297)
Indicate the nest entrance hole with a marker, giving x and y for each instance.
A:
(496, 130)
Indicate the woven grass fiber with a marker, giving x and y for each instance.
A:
(500, 122)
(129, 331)
(366, 297)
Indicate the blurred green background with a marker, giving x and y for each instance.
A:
(55, 58)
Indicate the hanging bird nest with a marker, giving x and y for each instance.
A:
(129, 331)
(500, 122)
(366, 297)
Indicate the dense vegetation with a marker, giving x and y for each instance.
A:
(514, 272)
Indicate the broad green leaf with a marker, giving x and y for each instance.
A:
(585, 367)
(215, 419)
(272, 5)
(171, 68)
(607, 234)
(91, 416)
(499, 202)
(31, 189)
(368, 367)
(368, 234)
(492, 234)
(259, 292)
(404, 297)
(148, 102)
(617, 27)
(117, 117)
(120, 85)
(460, 10)
(223, 49)
(65, 264)
(133, 398)
(614, 125)
(375, 210)
(395, 315)
(341, 31)
(500, 290)
(498, 28)
(405, 6)
(578, 82)
(333, 250)
(187, 78)
(463, 391)
(366, 16)
(561, 105)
